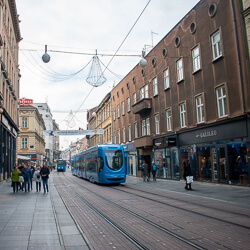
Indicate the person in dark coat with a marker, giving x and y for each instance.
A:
(145, 171)
(187, 172)
(44, 172)
(26, 173)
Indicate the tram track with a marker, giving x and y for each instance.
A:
(179, 200)
(185, 209)
(107, 219)
(137, 216)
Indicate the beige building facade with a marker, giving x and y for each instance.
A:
(31, 143)
(100, 118)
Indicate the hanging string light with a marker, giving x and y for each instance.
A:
(96, 77)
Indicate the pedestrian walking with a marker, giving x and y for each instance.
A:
(38, 179)
(187, 173)
(15, 178)
(31, 176)
(154, 171)
(45, 176)
(26, 173)
(145, 171)
(21, 180)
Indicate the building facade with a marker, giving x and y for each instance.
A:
(100, 118)
(31, 143)
(9, 85)
(44, 110)
(56, 143)
(191, 101)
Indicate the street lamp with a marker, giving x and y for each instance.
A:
(46, 57)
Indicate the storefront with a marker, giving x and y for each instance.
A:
(217, 154)
(131, 158)
(8, 135)
(166, 157)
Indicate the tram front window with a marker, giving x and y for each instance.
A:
(114, 159)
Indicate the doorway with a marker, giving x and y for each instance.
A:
(221, 161)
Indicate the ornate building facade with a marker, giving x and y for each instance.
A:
(9, 85)
(31, 141)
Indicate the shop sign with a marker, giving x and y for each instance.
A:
(6, 123)
(14, 132)
(25, 101)
(207, 134)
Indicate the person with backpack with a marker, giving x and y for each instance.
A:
(153, 171)
(38, 179)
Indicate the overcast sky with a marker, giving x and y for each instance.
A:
(76, 29)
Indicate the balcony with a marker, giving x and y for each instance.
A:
(142, 106)
(143, 142)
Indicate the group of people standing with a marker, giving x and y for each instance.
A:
(23, 176)
(146, 171)
(187, 173)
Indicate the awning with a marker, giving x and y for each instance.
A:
(21, 157)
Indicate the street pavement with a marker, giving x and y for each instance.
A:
(35, 220)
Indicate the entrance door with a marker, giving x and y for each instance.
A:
(222, 169)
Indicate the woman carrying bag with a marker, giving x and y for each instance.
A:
(188, 175)
(38, 179)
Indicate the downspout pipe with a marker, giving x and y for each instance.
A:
(238, 59)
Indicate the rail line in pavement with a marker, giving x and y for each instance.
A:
(165, 230)
(107, 219)
(185, 209)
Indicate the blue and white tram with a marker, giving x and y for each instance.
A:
(61, 165)
(102, 164)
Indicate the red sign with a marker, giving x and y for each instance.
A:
(25, 101)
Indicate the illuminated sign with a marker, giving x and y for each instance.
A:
(25, 101)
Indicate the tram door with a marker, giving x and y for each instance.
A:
(221, 159)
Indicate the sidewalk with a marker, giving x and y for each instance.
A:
(231, 194)
(35, 220)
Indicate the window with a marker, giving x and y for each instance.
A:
(119, 136)
(118, 111)
(123, 135)
(148, 126)
(136, 130)
(143, 127)
(141, 93)
(129, 133)
(128, 104)
(216, 45)
(134, 98)
(24, 122)
(179, 68)
(114, 114)
(24, 142)
(114, 138)
(221, 102)
(155, 89)
(123, 108)
(157, 124)
(168, 118)
(166, 79)
(183, 115)
(196, 59)
(199, 108)
(146, 90)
